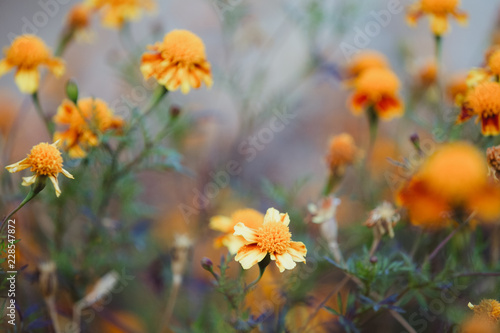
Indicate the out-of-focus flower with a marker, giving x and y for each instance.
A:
(117, 12)
(27, 53)
(427, 74)
(178, 61)
(366, 60)
(438, 11)
(483, 101)
(453, 179)
(488, 308)
(45, 160)
(457, 88)
(493, 158)
(84, 123)
(377, 88)
(273, 238)
(180, 251)
(383, 218)
(342, 152)
(494, 62)
(78, 21)
(249, 217)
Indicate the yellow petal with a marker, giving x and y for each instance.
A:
(298, 251)
(439, 24)
(54, 181)
(284, 261)
(272, 215)
(4, 67)
(21, 165)
(221, 223)
(241, 230)
(28, 181)
(56, 66)
(67, 174)
(249, 255)
(233, 243)
(27, 80)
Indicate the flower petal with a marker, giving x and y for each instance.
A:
(298, 251)
(233, 243)
(27, 80)
(56, 66)
(28, 181)
(461, 16)
(439, 24)
(272, 215)
(284, 261)
(21, 165)
(54, 181)
(249, 255)
(221, 223)
(249, 234)
(67, 174)
(357, 103)
(4, 67)
(389, 107)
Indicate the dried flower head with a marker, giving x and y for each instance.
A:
(83, 124)
(383, 218)
(493, 159)
(483, 101)
(249, 217)
(454, 177)
(377, 88)
(342, 152)
(366, 60)
(27, 53)
(115, 13)
(273, 238)
(180, 252)
(45, 160)
(438, 11)
(178, 61)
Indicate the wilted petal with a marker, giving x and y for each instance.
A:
(249, 234)
(249, 255)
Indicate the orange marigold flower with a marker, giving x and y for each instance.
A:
(27, 53)
(342, 152)
(366, 60)
(454, 178)
(249, 217)
(273, 238)
(494, 62)
(427, 74)
(45, 160)
(178, 61)
(78, 21)
(438, 11)
(117, 12)
(489, 308)
(483, 101)
(377, 88)
(84, 123)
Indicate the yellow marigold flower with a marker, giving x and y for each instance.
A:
(342, 152)
(273, 238)
(83, 124)
(78, 21)
(45, 160)
(249, 217)
(438, 11)
(178, 61)
(483, 101)
(116, 12)
(454, 177)
(489, 308)
(366, 60)
(377, 88)
(27, 53)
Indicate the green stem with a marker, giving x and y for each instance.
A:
(45, 119)
(262, 267)
(373, 121)
(158, 95)
(64, 41)
(439, 49)
(35, 189)
(330, 184)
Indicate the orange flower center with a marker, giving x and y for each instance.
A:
(27, 51)
(494, 62)
(378, 81)
(485, 99)
(490, 308)
(45, 159)
(183, 46)
(274, 237)
(439, 6)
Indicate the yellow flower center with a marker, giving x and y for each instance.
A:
(439, 6)
(494, 62)
(378, 81)
(490, 308)
(274, 237)
(183, 46)
(485, 99)
(27, 51)
(45, 160)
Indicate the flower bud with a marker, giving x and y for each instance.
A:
(72, 91)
